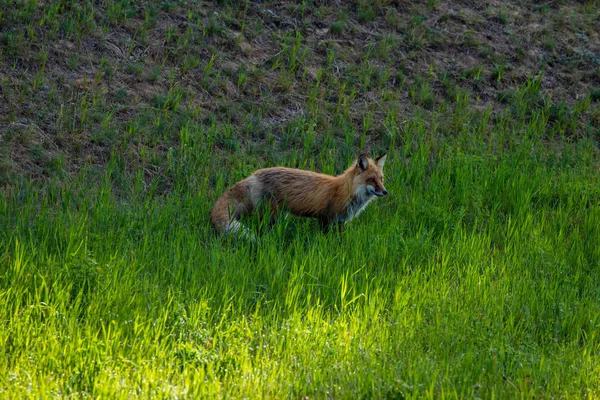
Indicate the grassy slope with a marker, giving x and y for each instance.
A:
(81, 81)
(477, 276)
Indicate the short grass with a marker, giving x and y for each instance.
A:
(477, 276)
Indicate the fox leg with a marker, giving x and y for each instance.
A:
(327, 225)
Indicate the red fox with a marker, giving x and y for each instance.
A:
(330, 199)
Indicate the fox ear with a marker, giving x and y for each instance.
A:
(381, 160)
(362, 162)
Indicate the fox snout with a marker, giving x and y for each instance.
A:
(377, 192)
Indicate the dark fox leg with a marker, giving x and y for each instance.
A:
(328, 225)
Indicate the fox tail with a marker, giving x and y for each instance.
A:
(225, 215)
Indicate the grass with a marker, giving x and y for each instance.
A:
(475, 277)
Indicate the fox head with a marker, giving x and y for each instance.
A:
(369, 176)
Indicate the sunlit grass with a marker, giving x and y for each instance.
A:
(475, 277)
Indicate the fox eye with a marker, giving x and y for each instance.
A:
(370, 180)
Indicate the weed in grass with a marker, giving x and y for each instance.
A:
(549, 43)
(392, 18)
(366, 12)
(385, 47)
(498, 73)
(420, 93)
(503, 16)
(292, 53)
(242, 78)
(121, 94)
(417, 34)
(474, 73)
(338, 27)
(134, 69)
(73, 61)
(470, 39)
(155, 73)
(505, 96)
(519, 53)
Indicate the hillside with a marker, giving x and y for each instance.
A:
(83, 80)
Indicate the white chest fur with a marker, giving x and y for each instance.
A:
(362, 197)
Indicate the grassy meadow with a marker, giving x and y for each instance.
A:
(476, 277)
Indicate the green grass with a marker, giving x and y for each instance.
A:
(120, 124)
(476, 276)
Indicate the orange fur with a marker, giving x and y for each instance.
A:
(304, 193)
